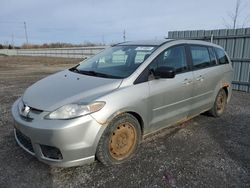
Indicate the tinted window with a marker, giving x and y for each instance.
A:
(200, 57)
(222, 58)
(173, 57)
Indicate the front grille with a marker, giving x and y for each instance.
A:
(51, 152)
(24, 140)
(28, 113)
(35, 111)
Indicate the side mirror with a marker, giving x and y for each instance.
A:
(164, 72)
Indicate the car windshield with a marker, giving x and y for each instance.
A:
(115, 62)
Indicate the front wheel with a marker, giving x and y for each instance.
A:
(219, 104)
(119, 141)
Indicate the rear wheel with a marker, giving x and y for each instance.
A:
(219, 104)
(119, 141)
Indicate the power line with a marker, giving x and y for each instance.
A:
(10, 22)
(17, 22)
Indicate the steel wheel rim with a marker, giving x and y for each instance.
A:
(220, 103)
(122, 141)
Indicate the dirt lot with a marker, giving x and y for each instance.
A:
(203, 152)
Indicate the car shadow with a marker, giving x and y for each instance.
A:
(231, 132)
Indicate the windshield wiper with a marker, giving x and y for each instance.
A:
(75, 69)
(93, 73)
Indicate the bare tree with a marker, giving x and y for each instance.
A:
(234, 16)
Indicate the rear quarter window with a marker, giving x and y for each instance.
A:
(221, 56)
(212, 56)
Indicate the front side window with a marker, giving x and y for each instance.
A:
(174, 57)
(115, 62)
(222, 58)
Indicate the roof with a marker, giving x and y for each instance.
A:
(163, 41)
(198, 42)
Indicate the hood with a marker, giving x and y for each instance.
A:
(67, 87)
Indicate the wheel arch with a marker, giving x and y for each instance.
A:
(225, 88)
(131, 112)
(139, 118)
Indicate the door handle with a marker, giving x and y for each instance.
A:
(200, 78)
(187, 81)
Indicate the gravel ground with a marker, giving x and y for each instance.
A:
(203, 152)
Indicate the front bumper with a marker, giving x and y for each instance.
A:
(75, 141)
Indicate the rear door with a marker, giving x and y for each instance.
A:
(170, 98)
(206, 77)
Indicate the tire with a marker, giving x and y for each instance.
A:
(219, 104)
(119, 141)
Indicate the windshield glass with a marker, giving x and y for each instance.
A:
(115, 62)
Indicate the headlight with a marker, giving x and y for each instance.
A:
(70, 111)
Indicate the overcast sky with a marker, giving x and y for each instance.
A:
(78, 21)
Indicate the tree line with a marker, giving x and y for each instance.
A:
(49, 45)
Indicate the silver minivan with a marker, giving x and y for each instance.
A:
(104, 106)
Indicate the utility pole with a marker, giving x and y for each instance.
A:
(124, 35)
(103, 40)
(25, 30)
(12, 40)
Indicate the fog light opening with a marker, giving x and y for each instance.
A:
(51, 152)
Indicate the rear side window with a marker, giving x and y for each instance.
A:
(222, 58)
(200, 57)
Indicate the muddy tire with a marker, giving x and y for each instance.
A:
(219, 104)
(119, 141)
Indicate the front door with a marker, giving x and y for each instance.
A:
(170, 99)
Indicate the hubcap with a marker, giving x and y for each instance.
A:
(122, 141)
